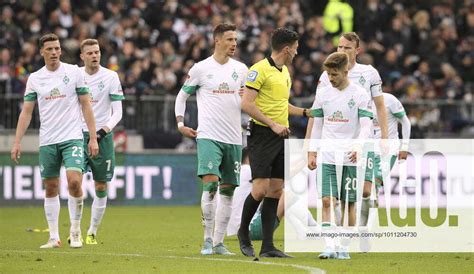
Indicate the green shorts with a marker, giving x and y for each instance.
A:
(348, 187)
(69, 153)
(374, 169)
(220, 159)
(103, 165)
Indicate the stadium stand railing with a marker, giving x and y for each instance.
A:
(155, 113)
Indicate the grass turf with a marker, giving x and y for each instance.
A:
(168, 240)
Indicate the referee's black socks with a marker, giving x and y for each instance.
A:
(269, 215)
(249, 209)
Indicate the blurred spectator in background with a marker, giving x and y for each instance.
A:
(120, 139)
(423, 49)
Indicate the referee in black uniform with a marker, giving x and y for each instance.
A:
(265, 99)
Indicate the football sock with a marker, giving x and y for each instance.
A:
(51, 209)
(311, 220)
(249, 209)
(365, 207)
(223, 213)
(208, 207)
(75, 212)
(338, 213)
(329, 229)
(269, 208)
(97, 213)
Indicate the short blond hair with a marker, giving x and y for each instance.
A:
(88, 42)
(336, 60)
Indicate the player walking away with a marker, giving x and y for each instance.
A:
(367, 77)
(216, 82)
(395, 114)
(106, 100)
(342, 111)
(61, 93)
(266, 101)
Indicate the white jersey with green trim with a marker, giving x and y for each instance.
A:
(341, 111)
(365, 76)
(105, 87)
(217, 90)
(395, 111)
(59, 108)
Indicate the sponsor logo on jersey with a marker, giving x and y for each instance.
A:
(338, 117)
(224, 89)
(252, 76)
(55, 94)
(93, 100)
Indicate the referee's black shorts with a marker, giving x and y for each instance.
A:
(266, 153)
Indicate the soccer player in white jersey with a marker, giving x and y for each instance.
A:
(367, 77)
(216, 81)
(395, 114)
(106, 99)
(61, 93)
(342, 111)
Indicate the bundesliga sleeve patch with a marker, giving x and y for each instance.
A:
(252, 76)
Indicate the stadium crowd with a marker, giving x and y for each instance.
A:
(422, 49)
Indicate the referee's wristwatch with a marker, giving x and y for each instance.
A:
(305, 114)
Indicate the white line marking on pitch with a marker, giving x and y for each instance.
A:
(310, 269)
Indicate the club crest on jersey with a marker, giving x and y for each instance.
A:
(65, 79)
(101, 86)
(252, 76)
(362, 80)
(235, 76)
(351, 103)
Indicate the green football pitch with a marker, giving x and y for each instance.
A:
(168, 240)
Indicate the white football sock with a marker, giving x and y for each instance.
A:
(51, 209)
(338, 213)
(364, 212)
(311, 220)
(331, 243)
(345, 241)
(97, 213)
(223, 213)
(208, 207)
(75, 212)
